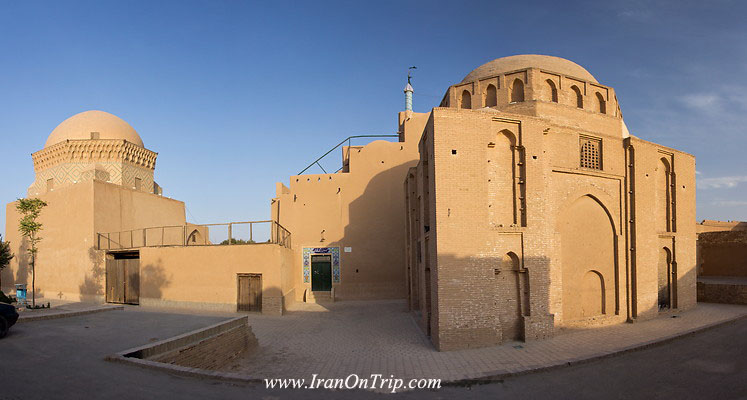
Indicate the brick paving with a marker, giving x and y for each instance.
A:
(366, 338)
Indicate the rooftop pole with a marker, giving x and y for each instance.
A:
(409, 90)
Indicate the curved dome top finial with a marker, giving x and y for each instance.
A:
(523, 61)
(81, 126)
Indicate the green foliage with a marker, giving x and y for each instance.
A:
(5, 254)
(238, 241)
(29, 228)
(6, 299)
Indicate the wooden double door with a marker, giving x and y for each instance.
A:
(123, 278)
(249, 292)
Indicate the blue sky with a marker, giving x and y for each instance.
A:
(236, 95)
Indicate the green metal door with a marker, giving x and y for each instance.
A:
(321, 273)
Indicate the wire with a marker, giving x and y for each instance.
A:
(190, 214)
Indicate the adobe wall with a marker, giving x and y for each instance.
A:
(361, 211)
(206, 276)
(119, 208)
(709, 225)
(69, 266)
(723, 253)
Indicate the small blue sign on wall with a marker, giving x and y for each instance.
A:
(20, 291)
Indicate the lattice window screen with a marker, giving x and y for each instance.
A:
(591, 153)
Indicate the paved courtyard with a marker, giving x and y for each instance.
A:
(381, 337)
(64, 358)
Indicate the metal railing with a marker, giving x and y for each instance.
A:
(236, 233)
(348, 140)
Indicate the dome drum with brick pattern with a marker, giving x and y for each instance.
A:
(532, 84)
(94, 145)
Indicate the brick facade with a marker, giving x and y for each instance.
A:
(537, 213)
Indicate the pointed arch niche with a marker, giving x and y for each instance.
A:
(506, 177)
(491, 96)
(588, 245)
(665, 214)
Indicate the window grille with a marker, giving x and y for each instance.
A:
(591, 153)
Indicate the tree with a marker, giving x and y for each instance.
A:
(237, 241)
(29, 228)
(5, 256)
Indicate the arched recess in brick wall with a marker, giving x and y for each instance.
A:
(195, 238)
(588, 245)
(663, 212)
(601, 104)
(517, 91)
(551, 91)
(578, 97)
(491, 96)
(502, 159)
(509, 297)
(592, 294)
(466, 100)
(665, 279)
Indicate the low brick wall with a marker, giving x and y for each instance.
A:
(722, 292)
(208, 348)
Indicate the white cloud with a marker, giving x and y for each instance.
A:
(637, 12)
(702, 101)
(724, 100)
(723, 182)
(729, 203)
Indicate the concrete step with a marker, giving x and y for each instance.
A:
(319, 297)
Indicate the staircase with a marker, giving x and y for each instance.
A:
(320, 297)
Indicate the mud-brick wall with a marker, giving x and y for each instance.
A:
(723, 253)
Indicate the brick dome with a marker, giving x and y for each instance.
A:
(99, 123)
(524, 61)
